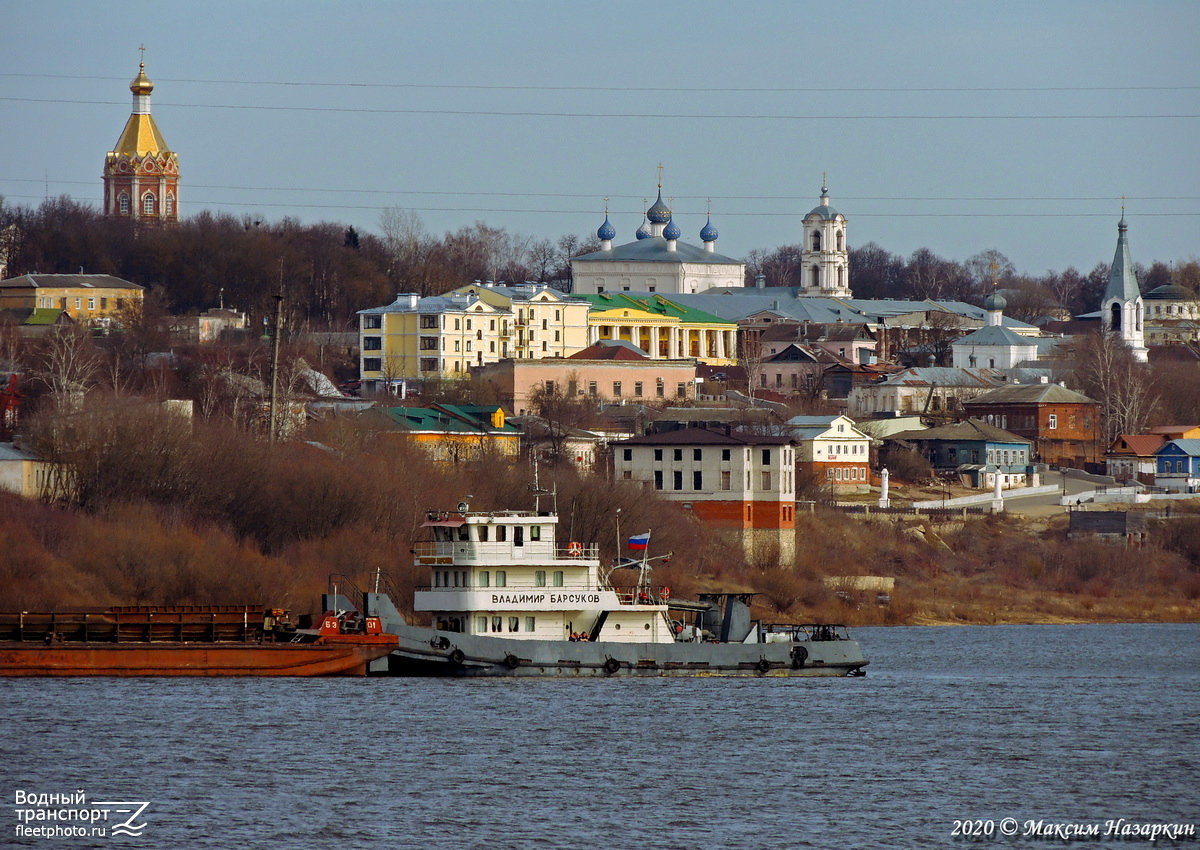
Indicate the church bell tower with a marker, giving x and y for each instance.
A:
(141, 174)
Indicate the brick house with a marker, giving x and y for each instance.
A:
(729, 480)
(1063, 425)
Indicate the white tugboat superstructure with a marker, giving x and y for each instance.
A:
(506, 599)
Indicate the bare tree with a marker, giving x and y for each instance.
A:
(68, 363)
(1107, 371)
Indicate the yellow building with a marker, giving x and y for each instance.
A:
(444, 336)
(88, 298)
(662, 328)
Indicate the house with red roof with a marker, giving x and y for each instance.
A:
(1131, 457)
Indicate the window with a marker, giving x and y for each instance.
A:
(429, 322)
(468, 324)
(514, 624)
(124, 203)
(91, 303)
(170, 204)
(530, 624)
(481, 624)
(558, 578)
(724, 454)
(457, 345)
(678, 479)
(681, 390)
(518, 535)
(766, 479)
(372, 322)
(372, 364)
(372, 343)
(637, 389)
(697, 453)
(539, 578)
(428, 343)
(658, 454)
(501, 578)
(457, 324)
(766, 456)
(616, 389)
(78, 303)
(697, 480)
(658, 387)
(497, 624)
(726, 480)
(484, 578)
(535, 532)
(147, 204)
(658, 479)
(627, 454)
(501, 534)
(545, 325)
(1052, 423)
(429, 364)
(591, 387)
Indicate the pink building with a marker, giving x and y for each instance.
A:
(604, 371)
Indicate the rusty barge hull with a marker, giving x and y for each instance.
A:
(190, 659)
(179, 640)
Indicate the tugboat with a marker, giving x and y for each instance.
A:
(505, 599)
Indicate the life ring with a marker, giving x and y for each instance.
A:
(511, 661)
(763, 665)
(664, 593)
(799, 656)
(458, 656)
(611, 665)
(575, 549)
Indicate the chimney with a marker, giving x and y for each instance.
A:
(1043, 380)
(760, 280)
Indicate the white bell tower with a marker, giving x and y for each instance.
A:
(1122, 310)
(825, 256)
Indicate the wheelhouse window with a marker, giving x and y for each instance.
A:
(514, 624)
(558, 578)
(539, 578)
(501, 578)
(481, 624)
(485, 578)
(535, 533)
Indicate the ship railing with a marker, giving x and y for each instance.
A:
(643, 596)
(809, 631)
(521, 586)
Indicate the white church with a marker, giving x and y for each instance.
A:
(658, 261)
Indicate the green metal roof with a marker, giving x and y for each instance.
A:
(654, 304)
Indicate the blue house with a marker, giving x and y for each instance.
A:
(973, 448)
(1178, 464)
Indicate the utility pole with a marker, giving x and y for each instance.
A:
(275, 368)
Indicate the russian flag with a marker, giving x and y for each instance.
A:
(640, 541)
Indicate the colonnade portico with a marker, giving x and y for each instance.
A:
(681, 342)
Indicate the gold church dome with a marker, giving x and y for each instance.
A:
(141, 83)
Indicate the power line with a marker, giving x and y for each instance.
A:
(648, 89)
(672, 116)
(631, 197)
(590, 212)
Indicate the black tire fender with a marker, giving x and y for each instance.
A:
(511, 661)
(457, 657)
(763, 665)
(611, 665)
(799, 656)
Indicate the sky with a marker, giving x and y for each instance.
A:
(958, 127)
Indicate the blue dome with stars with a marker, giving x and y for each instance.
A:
(606, 231)
(659, 214)
(643, 232)
(708, 233)
(672, 230)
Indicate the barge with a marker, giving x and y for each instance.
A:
(224, 640)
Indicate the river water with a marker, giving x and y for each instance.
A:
(1059, 724)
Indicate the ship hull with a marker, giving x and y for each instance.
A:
(429, 652)
(350, 658)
